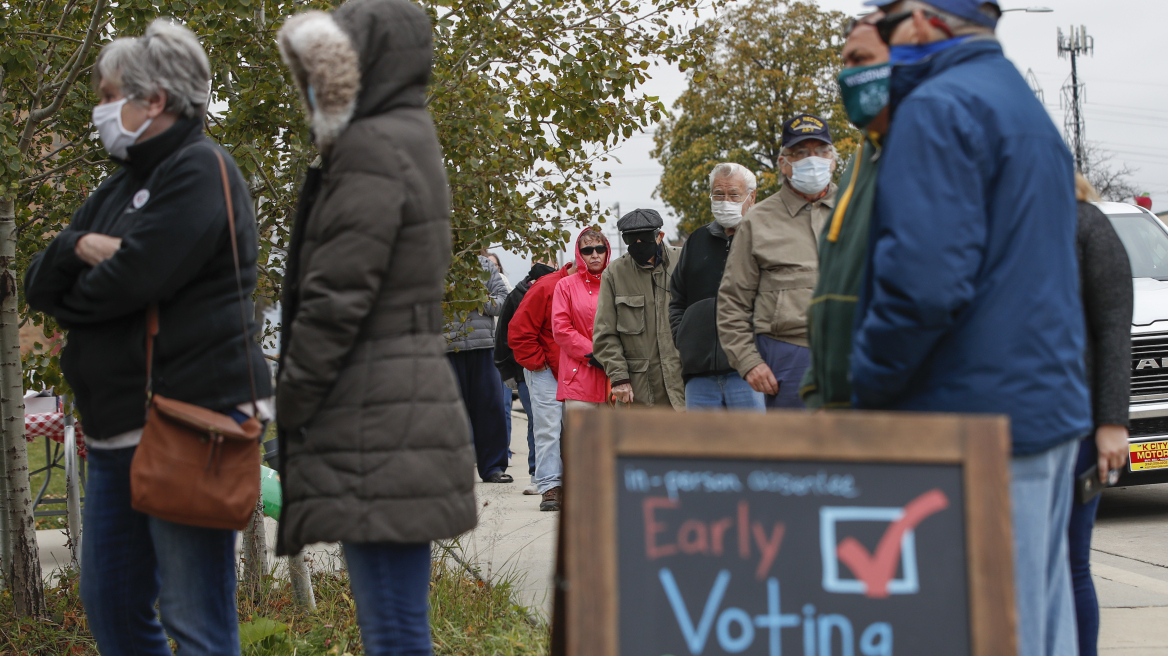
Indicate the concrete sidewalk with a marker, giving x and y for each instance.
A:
(514, 541)
(1129, 562)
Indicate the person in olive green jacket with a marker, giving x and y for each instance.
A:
(843, 246)
(631, 338)
(773, 266)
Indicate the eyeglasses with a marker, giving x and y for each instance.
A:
(800, 153)
(733, 198)
(887, 25)
(588, 250)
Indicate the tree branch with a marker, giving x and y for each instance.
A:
(38, 115)
(47, 174)
(50, 36)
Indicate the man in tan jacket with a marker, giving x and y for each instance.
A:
(773, 267)
(631, 337)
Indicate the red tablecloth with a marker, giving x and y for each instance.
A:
(52, 425)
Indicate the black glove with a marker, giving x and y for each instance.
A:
(594, 362)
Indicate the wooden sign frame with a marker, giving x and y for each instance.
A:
(586, 614)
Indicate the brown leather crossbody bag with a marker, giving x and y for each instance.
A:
(194, 466)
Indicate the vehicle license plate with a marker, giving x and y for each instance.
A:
(1148, 455)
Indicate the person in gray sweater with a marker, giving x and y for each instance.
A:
(470, 348)
(1105, 280)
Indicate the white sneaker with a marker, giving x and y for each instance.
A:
(531, 489)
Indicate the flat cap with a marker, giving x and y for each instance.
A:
(640, 220)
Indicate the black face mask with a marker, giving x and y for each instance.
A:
(643, 251)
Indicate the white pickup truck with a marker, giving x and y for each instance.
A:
(1146, 241)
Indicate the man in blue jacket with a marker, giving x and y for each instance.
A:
(970, 301)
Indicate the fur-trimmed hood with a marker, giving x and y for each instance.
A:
(366, 58)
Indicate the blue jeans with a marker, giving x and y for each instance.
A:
(1079, 539)
(1041, 493)
(390, 584)
(788, 362)
(547, 414)
(525, 401)
(130, 561)
(723, 391)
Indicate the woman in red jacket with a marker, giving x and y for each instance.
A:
(582, 382)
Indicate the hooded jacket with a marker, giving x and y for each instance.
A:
(970, 300)
(166, 203)
(375, 441)
(529, 334)
(478, 331)
(504, 356)
(573, 315)
(631, 336)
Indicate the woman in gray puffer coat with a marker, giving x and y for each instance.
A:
(376, 451)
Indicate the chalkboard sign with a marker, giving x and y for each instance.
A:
(853, 534)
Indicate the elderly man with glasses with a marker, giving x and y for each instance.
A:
(773, 266)
(710, 381)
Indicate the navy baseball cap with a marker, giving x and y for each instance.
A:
(967, 9)
(804, 127)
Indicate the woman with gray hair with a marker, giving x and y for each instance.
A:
(154, 233)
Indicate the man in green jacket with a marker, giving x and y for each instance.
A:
(631, 337)
(843, 246)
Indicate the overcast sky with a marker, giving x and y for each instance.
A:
(1126, 94)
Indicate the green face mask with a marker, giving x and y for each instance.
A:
(865, 92)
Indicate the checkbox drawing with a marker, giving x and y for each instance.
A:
(831, 515)
(875, 571)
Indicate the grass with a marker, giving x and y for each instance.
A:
(467, 617)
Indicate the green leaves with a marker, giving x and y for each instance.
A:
(773, 59)
(527, 96)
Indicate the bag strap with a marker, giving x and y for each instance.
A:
(152, 310)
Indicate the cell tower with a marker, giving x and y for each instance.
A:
(1074, 92)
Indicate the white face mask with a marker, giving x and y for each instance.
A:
(115, 137)
(811, 175)
(726, 213)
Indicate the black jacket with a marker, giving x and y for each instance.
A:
(693, 308)
(1105, 281)
(166, 203)
(504, 356)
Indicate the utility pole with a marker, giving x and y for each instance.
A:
(620, 245)
(1035, 86)
(1073, 92)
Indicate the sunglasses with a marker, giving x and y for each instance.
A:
(635, 236)
(867, 19)
(887, 25)
(588, 250)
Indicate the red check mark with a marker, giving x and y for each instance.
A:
(876, 571)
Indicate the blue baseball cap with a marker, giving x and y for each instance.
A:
(804, 127)
(967, 9)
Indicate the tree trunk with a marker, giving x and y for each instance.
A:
(301, 582)
(255, 552)
(5, 514)
(24, 567)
